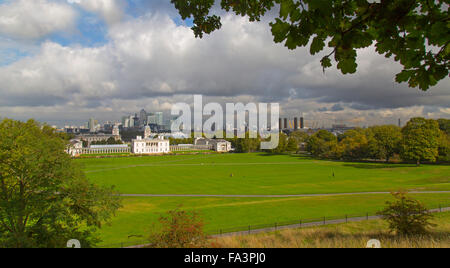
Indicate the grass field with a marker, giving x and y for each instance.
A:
(350, 235)
(258, 174)
(252, 174)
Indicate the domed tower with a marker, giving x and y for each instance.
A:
(115, 131)
(147, 132)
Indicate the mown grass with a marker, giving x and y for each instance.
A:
(252, 174)
(258, 174)
(350, 235)
(139, 216)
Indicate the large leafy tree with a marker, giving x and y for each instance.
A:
(322, 144)
(387, 141)
(420, 140)
(444, 125)
(444, 147)
(415, 33)
(45, 199)
(355, 144)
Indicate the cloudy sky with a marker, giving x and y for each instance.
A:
(64, 61)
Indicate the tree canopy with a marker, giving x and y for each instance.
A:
(415, 33)
(45, 199)
(420, 140)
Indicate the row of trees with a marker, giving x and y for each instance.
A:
(110, 141)
(420, 140)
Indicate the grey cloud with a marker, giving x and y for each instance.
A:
(337, 107)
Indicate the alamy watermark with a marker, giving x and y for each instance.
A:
(240, 120)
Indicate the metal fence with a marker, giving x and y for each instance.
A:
(268, 227)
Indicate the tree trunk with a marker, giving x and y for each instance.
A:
(418, 163)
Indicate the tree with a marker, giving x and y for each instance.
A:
(444, 147)
(404, 29)
(406, 216)
(420, 140)
(247, 145)
(180, 229)
(299, 136)
(292, 145)
(282, 144)
(387, 140)
(322, 144)
(45, 199)
(444, 125)
(113, 141)
(355, 144)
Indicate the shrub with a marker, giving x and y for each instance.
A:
(180, 229)
(406, 216)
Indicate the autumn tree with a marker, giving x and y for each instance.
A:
(179, 229)
(45, 198)
(413, 32)
(355, 144)
(420, 140)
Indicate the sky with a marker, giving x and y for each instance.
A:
(64, 61)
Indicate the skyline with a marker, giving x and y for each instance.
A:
(84, 59)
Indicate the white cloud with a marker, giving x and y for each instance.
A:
(150, 62)
(34, 19)
(110, 10)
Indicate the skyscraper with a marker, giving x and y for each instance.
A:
(142, 118)
(136, 121)
(91, 125)
(151, 119)
(159, 118)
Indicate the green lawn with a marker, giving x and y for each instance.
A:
(258, 174)
(252, 174)
(138, 217)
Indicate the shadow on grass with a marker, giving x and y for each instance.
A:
(299, 156)
(377, 166)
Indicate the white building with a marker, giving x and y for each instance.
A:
(75, 147)
(218, 145)
(150, 146)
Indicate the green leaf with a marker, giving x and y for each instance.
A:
(280, 30)
(317, 45)
(404, 76)
(347, 66)
(326, 63)
(286, 6)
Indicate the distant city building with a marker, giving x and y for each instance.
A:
(151, 119)
(135, 121)
(142, 118)
(92, 125)
(159, 118)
